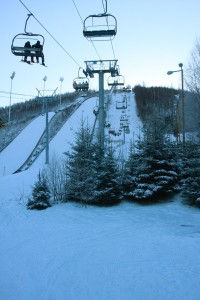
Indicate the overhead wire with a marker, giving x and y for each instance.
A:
(69, 55)
(4, 92)
(105, 10)
(82, 23)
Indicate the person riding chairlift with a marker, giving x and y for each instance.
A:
(28, 45)
(39, 46)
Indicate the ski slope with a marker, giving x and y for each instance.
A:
(15, 154)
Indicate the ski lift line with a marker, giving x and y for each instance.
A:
(77, 11)
(113, 49)
(18, 98)
(105, 11)
(16, 94)
(50, 34)
(82, 23)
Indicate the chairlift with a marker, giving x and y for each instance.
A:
(116, 80)
(121, 104)
(114, 71)
(81, 83)
(100, 27)
(124, 118)
(18, 47)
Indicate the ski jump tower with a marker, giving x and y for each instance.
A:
(101, 67)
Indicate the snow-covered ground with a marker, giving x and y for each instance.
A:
(13, 156)
(70, 252)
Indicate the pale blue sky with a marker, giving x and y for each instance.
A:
(152, 38)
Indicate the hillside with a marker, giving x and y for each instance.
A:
(70, 251)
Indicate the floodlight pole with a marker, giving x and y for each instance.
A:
(47, 124)
(61, 81)
(11, 77)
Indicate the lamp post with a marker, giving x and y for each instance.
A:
(45, 102)
(61, 81)
(11, 77)
(182, 96)
(45, 79)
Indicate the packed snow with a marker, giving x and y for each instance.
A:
(125, 252)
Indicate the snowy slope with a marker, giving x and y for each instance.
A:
(120, 253)
(15, 154)
(124, 116)
(70, 252)
(62, 141)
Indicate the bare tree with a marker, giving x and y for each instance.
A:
(192, 76)
(56, 177)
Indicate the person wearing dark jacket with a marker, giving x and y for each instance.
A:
(39, 46)
(27, 52)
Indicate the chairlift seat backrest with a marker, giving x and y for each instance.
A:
(100, 27)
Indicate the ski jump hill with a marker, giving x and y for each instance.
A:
(27, 150)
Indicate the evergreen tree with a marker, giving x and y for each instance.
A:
(92, 175)
(107, 189)
(153, 167)
(40, 194)
(191, 181)
(81, 167)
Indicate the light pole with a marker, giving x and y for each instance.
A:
(11, 77)
(45, 79)
(45, 103)
(183, 100)
(61, 81)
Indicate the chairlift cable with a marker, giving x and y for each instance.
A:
(82, 23)
(105, 9)
(50, 34)
(77, 11)
(4, 92)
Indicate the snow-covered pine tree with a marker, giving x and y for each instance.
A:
(107, 189)
(156, 170)
(191, 183)
(128, 172)
(81, 167)
(40, 194)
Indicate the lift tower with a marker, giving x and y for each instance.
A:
(101, 67)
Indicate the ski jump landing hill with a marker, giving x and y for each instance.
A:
(27, 150)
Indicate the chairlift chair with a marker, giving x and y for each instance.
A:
(116, 80)
(100, 27)
(81, 83)
(18, 48)
(124, 118)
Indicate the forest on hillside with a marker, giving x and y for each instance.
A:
(166, 103)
